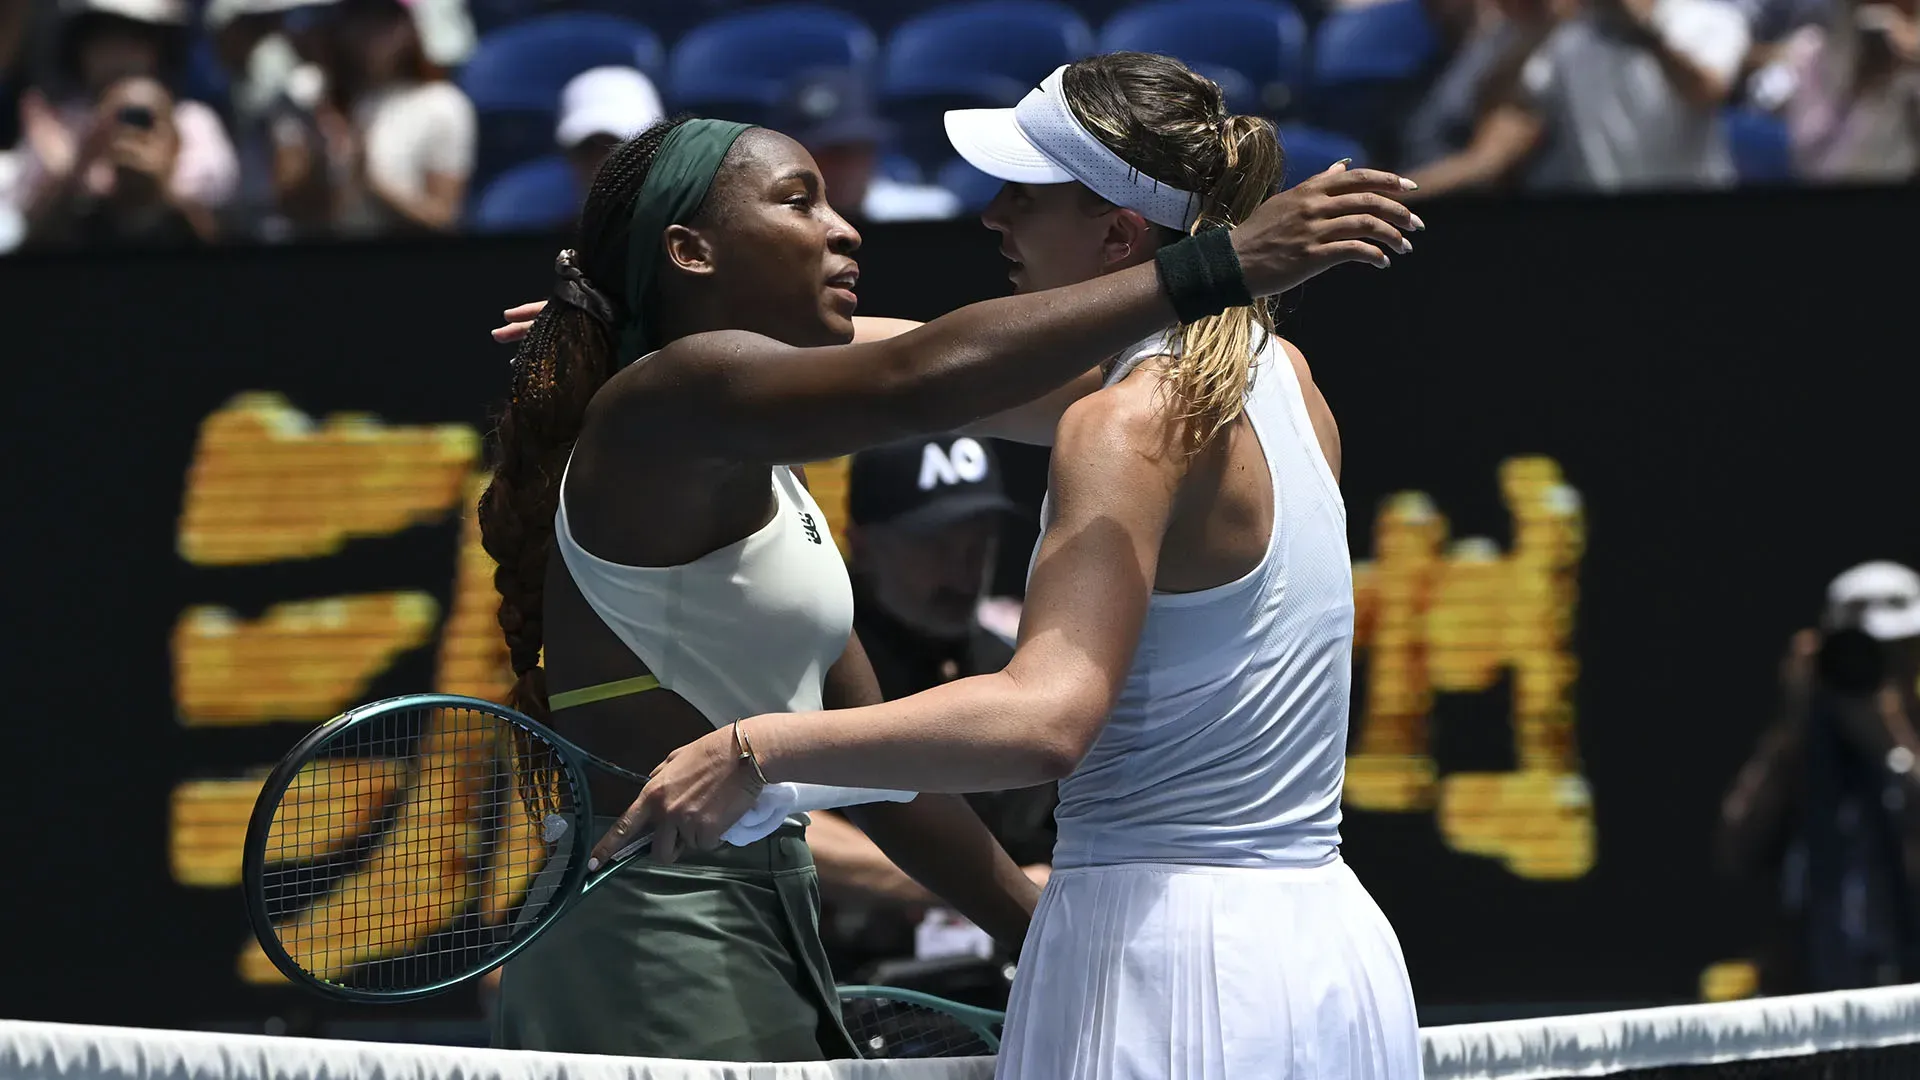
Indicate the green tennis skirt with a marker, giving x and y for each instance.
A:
(715, 958)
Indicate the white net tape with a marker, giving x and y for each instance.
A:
(1599, 1044)
(82, 1052)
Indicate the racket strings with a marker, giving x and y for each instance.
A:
(410, 849)
(887, 1028)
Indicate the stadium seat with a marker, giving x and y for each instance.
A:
(540, 194)
(516, 73)
(1309, 151)
(991, 50)
(1265, 42)
(739, 66)
(987, 53)
(525, 65)
(1761, 151)
(974, 188)
(1369, 68)
(1235, 89)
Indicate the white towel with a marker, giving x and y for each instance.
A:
(776, 804)
(781, 801)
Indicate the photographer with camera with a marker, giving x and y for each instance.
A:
(134, 137)
(1828, 807)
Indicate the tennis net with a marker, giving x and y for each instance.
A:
(1852, 1035)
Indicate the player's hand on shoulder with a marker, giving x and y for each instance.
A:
(1341, 215)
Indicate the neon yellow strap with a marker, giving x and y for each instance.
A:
(587, 695)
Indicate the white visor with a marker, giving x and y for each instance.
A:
(1040, 141)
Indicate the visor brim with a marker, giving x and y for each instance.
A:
(990, 140)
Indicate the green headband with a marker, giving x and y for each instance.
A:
(677, 182)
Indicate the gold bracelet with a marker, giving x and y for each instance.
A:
(745, 746)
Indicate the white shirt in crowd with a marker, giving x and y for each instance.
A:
(1614, 121)
(409, 132)
(891, 200)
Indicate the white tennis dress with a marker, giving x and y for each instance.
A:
(1200, 924)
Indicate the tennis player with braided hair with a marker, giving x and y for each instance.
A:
(699, 338)
(1184, 654)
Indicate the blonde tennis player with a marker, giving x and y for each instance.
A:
(1184, 656)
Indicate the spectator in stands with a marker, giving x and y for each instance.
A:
(600, 109)
(399, 135)
(274, 84)
(1772, 24)
(1827, 810)
(1853, 107)
(831, 112)
(1494, 37)
(924, 519)
(136, 140)
(1623, 94)
(101, 43)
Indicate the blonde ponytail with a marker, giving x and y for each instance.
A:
(1167, 121)
(1210, 377)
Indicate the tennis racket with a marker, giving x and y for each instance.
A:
(886, 1022)
(411, 845)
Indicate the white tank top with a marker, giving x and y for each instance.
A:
(751, 628)
(1227, 745)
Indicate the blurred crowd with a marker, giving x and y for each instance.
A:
(157, 122)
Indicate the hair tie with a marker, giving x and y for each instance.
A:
(575, 289)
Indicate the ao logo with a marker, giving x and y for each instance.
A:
(965, 462)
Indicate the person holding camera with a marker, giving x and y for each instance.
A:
(135, 139)
(1828, 806)
(84, 138)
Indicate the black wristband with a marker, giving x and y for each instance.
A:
(1202, 275)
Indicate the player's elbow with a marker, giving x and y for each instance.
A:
(1055, 759)
(1066, 736)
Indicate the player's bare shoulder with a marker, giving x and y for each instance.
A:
(1325, 430)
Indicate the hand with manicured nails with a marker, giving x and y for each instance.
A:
(1342, 215)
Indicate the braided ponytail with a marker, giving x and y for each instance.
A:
(567, 355)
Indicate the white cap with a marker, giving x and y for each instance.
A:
(617, 101)
(1882, 599)
(1040, 141)
(155, 12)
(221, 12)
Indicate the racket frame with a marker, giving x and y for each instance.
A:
(982, 1022)
(572, 885)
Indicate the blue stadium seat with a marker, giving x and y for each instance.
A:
(1309, 151)
(540, 194)
(739, 66)
(993, 51)
(987, 53)
(204, 80)
(1265, 42)
(1762, 153)
(1369, 68)
(516, 73)
(1390, 40)
(974, 188)
(525, 65)
(1235, 89)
